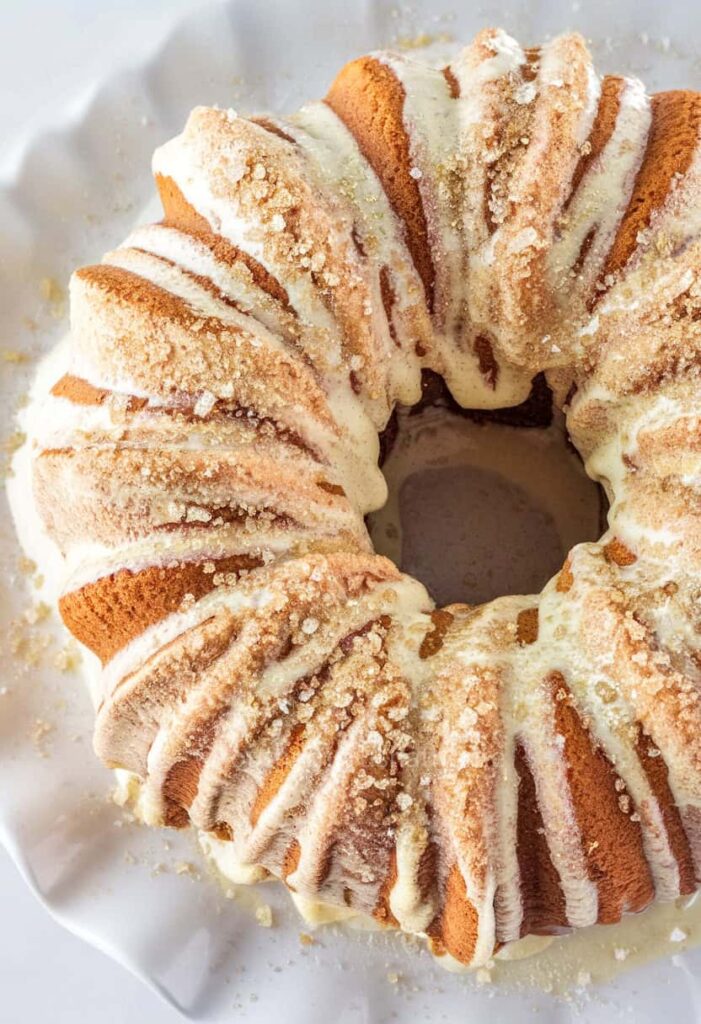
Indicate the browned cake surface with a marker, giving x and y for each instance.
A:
(369, 100)
(672, 142)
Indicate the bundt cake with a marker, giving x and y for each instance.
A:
(207, 457)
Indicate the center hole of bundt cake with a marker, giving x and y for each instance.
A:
(482, 504)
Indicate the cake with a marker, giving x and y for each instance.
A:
(205, 460)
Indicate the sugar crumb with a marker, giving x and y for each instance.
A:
(184, 867)
(41, 730)
(54, 295)
(264, 916)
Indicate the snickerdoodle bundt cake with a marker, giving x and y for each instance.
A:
(206, 460)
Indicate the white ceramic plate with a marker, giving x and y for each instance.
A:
(76, 193)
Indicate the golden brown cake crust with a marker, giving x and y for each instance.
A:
(611, 842)
(544, 910)
(369, 99)
(107, 614)
(180, 214)
(602, 129)
(672, 142)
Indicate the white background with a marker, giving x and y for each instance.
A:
(50, 53)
